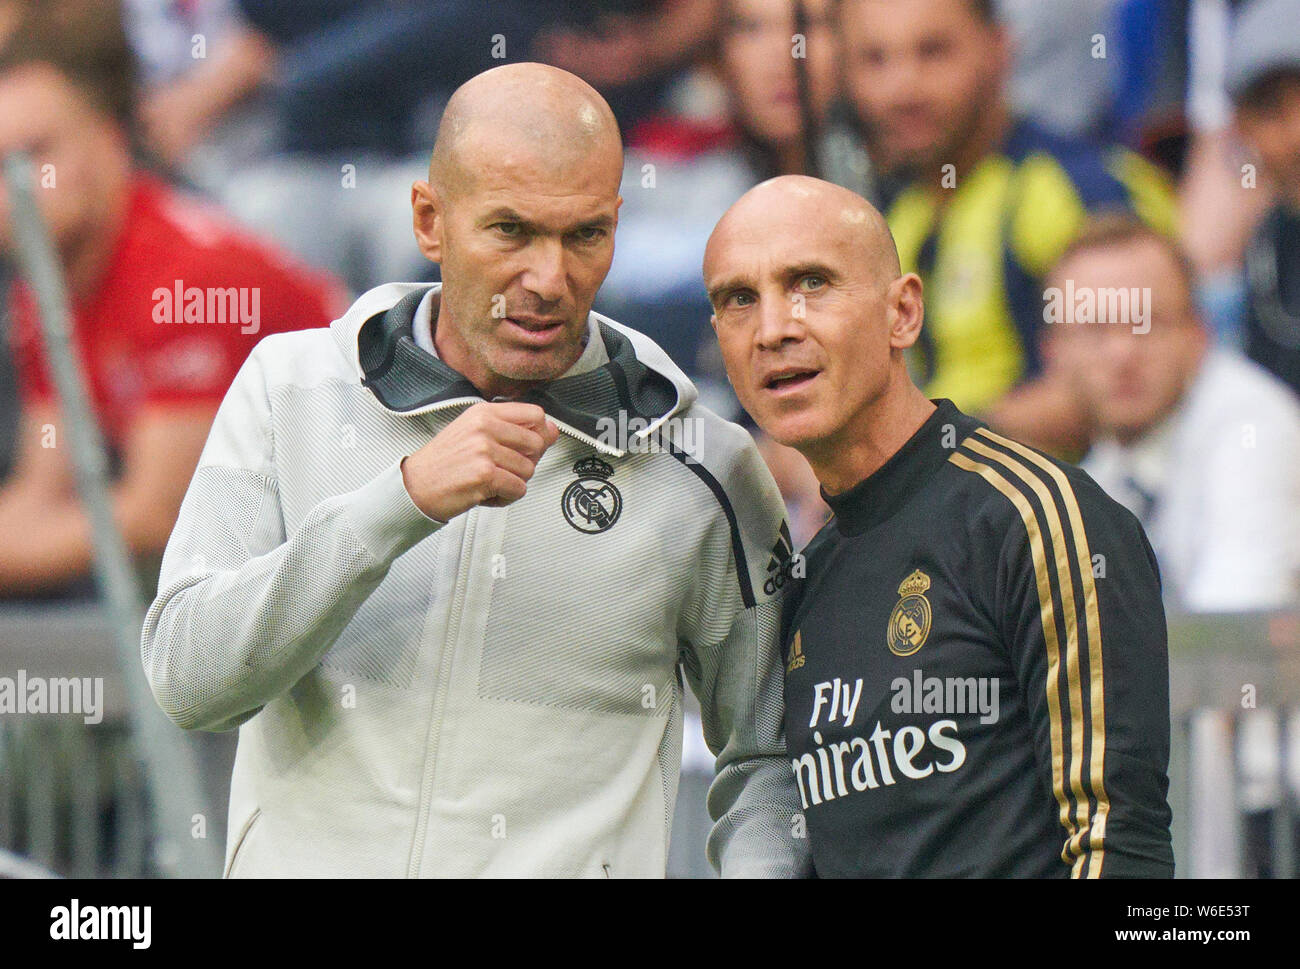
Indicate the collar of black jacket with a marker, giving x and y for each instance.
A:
(876, 498)
(405, 378)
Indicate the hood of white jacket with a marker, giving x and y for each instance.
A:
(638, 389)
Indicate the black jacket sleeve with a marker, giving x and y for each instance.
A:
(1083, 620)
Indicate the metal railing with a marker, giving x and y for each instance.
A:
(1226, 673)
(73, 796)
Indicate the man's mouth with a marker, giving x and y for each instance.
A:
(535, 329)
(789, 381)
(911, 129)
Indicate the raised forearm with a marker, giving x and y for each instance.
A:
(48, 544)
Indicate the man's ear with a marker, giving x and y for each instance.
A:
(426, 219)
(905, 310)
(713, 319)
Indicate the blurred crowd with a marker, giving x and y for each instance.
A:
(1102, 198)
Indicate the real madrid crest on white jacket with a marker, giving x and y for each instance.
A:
(499, 695)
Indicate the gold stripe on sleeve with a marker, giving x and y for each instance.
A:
(1048, 614)
(1096, 673)
(1061, 560)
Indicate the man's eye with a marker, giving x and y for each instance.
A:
(740, 299)
(813, 282)
(510, 229)
(591, 233)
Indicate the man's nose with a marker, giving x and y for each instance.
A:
(779, 320)
(898, 82)
(1119, 344)
(546, 275)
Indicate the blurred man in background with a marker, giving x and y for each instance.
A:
(1263, 79)
(167, 300)
(1201, 445)
(982, 203)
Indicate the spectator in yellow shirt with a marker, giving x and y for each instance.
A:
(982, 203)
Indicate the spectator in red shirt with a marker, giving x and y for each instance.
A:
(167, 301)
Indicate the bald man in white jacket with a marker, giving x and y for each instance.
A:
(445, 563)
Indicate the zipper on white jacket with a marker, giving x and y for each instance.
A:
(442, 687)
(452, 644)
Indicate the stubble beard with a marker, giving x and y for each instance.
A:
(926, 164)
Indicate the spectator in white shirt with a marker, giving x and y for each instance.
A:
(1202, 445)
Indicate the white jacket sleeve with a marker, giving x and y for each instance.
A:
(740, 682)
(757, 831)
(243, 610)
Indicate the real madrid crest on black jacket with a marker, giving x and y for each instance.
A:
(977, 679)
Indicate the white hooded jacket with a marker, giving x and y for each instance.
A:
(499, 695)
